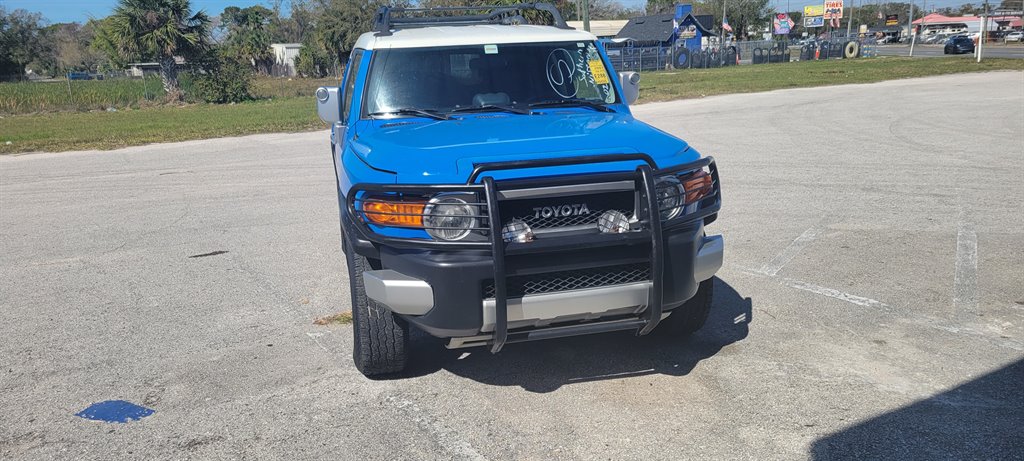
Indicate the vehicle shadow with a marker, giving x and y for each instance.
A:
(980, 419)
(545, 366)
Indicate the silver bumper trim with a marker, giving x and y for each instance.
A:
(483, 340)
(575, 305)
(709, 258)
(403, 294)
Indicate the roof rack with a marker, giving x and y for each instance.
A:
(386, 19)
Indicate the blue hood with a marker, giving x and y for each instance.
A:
(428, 151)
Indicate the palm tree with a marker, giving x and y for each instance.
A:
(161, 29)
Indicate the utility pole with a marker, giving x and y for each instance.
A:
(721, 44)
(910, 28)
(849, 21)
(586, 15)
(981, 36)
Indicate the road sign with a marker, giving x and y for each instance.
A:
(834, 9)
(782, 24)
(814, 10)
(814, 21)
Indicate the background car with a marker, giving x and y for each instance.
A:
(959, 44)
(1014, 36)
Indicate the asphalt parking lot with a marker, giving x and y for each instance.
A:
(935, 51)
(871, 304)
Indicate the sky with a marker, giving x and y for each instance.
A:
(81, 10)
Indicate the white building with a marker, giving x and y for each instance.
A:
(284, 57)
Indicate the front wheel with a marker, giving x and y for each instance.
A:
(380, 338)
(690, 317)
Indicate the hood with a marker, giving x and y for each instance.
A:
(445, 151)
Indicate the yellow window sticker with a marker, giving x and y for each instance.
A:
(599, 73)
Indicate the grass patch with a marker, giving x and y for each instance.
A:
(78, 95)
(697, 83)
(108, 130)
(18, 98)
(289, 88)
(292, 107)
(341, 318)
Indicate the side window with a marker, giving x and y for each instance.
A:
(350, 83)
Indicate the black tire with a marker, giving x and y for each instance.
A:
(381, 338)
(851, 50)
(690, 317)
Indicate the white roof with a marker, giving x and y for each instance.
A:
(483, 34)
(601, 27)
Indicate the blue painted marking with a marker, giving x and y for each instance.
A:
(115, 411)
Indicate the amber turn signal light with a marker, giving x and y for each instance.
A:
(697, 186)
(394, 213)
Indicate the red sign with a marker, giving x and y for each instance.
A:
(834, 9)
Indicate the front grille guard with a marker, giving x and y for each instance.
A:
(648, 212)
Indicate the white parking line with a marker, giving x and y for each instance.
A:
(965, 278)
(858, 300)
(775, 265)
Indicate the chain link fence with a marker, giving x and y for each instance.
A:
(644, 57)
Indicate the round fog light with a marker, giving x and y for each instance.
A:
(613, 222)
(517, 231)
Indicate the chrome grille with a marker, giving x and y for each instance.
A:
(566, 221)
(519, 286)
(545, 212)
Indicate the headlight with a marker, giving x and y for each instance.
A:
(670, 196)
(448, 218)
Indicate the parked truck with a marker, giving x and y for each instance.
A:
(495, 188)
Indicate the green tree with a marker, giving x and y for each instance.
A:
(160, 28)
(313, 61)
(343, 21)
(662, 6)
(224, 79)
(298, 26)
(68, 48)
(747, 17)
(248, 35)
(104, 44)
(21, 41)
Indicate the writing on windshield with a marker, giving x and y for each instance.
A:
(457, 78)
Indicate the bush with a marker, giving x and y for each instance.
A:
(224, 80)
(312, 62)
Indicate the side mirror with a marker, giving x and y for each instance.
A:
(630, 86)
(328, 105)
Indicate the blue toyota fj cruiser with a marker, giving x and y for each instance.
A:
(495, 188)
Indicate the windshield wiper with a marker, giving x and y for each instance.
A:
(572, 102)
(493, 107)
(428, 113)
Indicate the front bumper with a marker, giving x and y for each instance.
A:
(476, 289)
(446, 297)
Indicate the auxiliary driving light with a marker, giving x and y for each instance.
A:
(517, 231)
(613, 222)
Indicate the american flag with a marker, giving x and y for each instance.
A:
(725, 24)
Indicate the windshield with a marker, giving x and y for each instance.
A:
(447, 78)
